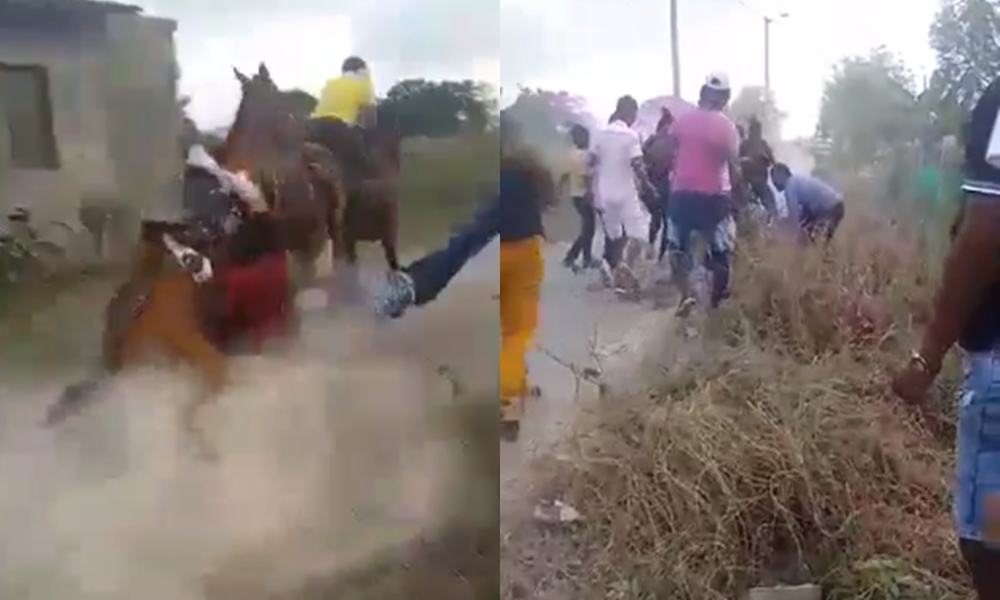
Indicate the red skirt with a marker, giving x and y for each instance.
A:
(258, 303)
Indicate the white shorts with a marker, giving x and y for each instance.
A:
(625, 217)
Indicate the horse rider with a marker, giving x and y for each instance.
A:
(344, 112)
(622, 184)
(514, 215)
(756, 160)
(965, 314)
(705, 147)
(813, 205)
(659, 163)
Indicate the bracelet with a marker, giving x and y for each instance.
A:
(918, 359)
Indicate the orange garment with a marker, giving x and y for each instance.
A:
(522, 269)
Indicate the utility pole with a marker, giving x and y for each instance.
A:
(675, 49)
(767, 51)
(767, 57)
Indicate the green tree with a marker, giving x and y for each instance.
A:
(542, 115)
(965, 36)
(755, 101)
(439, 108)
(869, 111)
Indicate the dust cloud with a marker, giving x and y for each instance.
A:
(329, 455)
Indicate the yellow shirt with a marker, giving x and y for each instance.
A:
(577, 171)
(343, 98)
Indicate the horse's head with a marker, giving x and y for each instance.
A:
(266, 134)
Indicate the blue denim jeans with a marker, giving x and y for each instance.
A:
(708, 216)
(978, 442)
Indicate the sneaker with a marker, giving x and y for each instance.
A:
(686, 306)
(394, 295)
(625, 279)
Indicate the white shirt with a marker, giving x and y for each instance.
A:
(615, 148)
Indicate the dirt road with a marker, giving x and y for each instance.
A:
(327, 454)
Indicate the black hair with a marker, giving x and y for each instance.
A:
(353, 64)
(580, 136)
(781, 169)
(626, 103)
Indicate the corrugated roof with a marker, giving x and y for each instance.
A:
(70, 5)
(58, 14)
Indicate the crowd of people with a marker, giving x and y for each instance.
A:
(648, 198)
(689, 178)
(694, 174)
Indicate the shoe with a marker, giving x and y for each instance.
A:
(394, 295)
(511, 413)
(625, 279)
(686, 306)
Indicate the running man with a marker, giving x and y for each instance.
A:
(756, 160)
(659, 164)
(622, 181)
(578, 181)
(813, 204)
(705, 146)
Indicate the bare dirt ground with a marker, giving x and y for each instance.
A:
(329, 455)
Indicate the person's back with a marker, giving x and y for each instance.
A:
(517, 208)
(617, 145)
(811, 194)
(576, 172)
(345, 97)
(703, 138)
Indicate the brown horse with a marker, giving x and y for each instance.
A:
(312, 193)
(163, 306)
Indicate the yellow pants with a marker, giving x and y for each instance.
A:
(522, 268)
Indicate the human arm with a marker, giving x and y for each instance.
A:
(972, 264)
(639, 171)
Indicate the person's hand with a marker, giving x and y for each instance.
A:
(913, 381)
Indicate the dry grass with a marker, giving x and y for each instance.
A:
(776, 454)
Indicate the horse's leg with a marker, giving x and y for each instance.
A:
(178, 325)
(352, 275)
(194, 348)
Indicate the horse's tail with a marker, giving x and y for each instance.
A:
(73, 400)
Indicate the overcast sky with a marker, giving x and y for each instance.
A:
(599, 49)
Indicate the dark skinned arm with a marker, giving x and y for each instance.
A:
(972, 264)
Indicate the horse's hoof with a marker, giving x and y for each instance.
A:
(510, 431)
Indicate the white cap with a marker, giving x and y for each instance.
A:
(717, 81)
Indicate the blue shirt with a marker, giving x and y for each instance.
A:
(807, 195)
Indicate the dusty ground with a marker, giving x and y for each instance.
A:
(328, 455)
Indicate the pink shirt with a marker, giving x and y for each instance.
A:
(704, 139)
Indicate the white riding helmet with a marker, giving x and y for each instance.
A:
(717, 81)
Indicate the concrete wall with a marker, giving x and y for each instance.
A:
(116, 123)
(75, 63)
